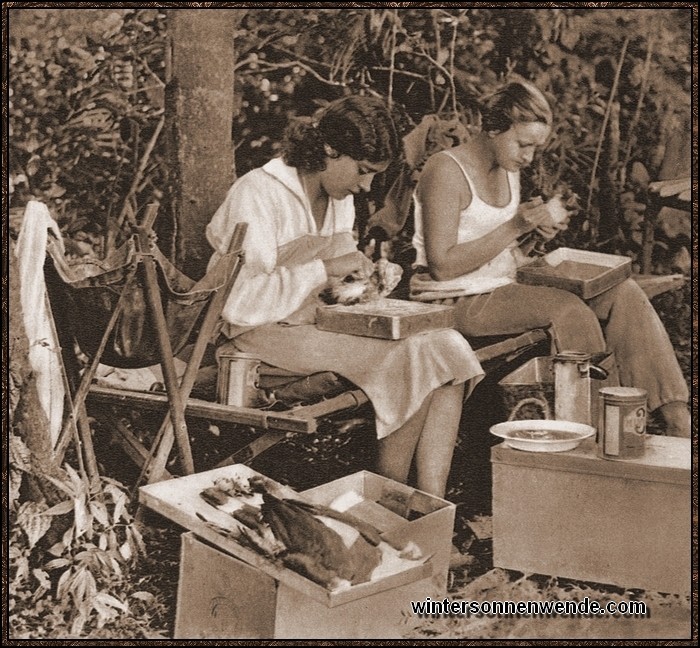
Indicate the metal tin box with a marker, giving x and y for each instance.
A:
(586, 274)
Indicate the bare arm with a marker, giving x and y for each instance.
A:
(443, 194)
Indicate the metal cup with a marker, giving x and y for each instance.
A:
(237, 380)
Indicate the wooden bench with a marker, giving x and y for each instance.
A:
(273, 425)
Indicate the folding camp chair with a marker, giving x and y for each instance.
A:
(137, 309)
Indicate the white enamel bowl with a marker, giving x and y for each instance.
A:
(542, 435)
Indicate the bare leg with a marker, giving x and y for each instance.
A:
(396, 450)
(437, 442)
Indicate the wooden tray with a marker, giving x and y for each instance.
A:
(586, 274)
(389, 319)
(179, 500)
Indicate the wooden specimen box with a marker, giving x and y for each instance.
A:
(584, 273)
(228, 591)
(390, 319)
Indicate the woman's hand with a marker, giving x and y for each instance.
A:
(548, 232)
(532, 215)
(350, 263)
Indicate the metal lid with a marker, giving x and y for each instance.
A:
(572, 356)
(623, 393)
(239, 355)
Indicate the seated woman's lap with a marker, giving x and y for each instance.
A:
(516, 308)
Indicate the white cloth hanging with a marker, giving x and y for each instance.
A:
(44, 350)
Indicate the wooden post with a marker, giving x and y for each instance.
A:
(199, 113)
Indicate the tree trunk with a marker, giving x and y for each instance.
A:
(199, 113)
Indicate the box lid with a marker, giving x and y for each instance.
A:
(179, 500)
(666, 459)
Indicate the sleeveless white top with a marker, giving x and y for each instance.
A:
(477, 220)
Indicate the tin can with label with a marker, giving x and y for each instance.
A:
(237, 379)
(623, 418)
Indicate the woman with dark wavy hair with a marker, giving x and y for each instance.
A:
(300, 214)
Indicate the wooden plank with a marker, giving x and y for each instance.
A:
(254, 448)
(158, 458)
(126, 440)
(290, 421)
(344, 401)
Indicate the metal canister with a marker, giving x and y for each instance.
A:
(572, 387)
(623, 419)
(237, 379)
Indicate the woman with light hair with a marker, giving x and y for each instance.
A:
(470, 228)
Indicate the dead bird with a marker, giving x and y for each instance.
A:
(330, 548)
(224, 489)
(358, 288)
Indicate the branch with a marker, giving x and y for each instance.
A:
(306, 59)
(139, 173)
(608, 110)
(308, 68)
(640, 100)
(453, 45)
(392, 64)
(384, 68)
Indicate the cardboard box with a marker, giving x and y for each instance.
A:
(389, 319)
(575, 515)
(229, 591)
(581, 272)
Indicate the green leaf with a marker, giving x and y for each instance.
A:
(58, 563)
(57, 549)
(60, 509)
(99, 511)
(64, 582)
(67, 539)
(83, 519)
(31, 520)
(120, 502)
(63, 486)
(144, 596)
(135, 531)
(42, 577)
(76, 628)
(78, 484)
(80, 585)
(111, 601)
(20, 455)
(125, 551)
(33, 166)
(15, 485)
